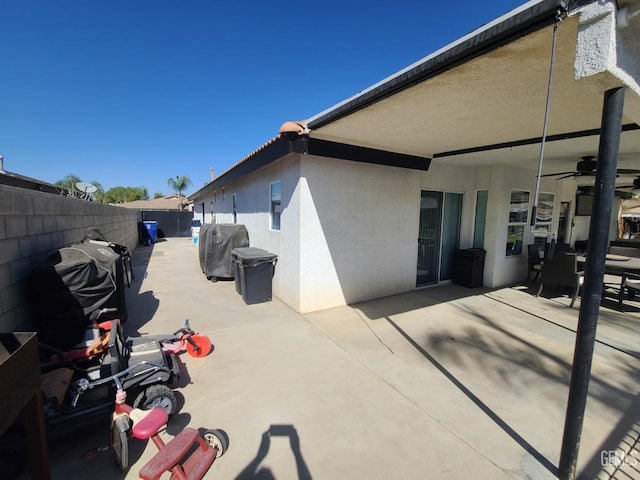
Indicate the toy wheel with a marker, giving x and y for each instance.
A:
(217, 440)
(202, 342)
(120, 445)
(157, 396)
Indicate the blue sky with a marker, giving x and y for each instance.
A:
(132, 92)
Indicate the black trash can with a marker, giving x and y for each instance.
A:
(254, 269)
(468, 267)
(236, 269)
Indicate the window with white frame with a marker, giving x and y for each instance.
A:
(544, 212)
(482, 197)
(234, 203)
(518, 215)
(276, 204)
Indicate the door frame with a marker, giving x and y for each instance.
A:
(438, 259)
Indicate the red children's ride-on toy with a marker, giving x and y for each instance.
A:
(188, 456)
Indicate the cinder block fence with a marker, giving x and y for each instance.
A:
(33, 225)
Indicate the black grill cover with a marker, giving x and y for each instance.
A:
(215, 244)
(73, 283)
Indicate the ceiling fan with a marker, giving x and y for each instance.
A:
(587, 167)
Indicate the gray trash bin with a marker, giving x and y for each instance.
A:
(254, 270)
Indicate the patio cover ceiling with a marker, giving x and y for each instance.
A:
(482, 100)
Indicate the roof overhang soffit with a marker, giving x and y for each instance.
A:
(489, 108)
(325, 148)
(528, 20)
(305, 145)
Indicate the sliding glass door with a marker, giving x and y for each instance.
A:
(429, 238)
(438, 235)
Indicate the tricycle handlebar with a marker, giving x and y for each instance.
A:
(83, 384)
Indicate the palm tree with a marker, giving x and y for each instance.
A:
(179, 184)
(99, 193)
(69, 182)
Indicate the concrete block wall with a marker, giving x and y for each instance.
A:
(33, 225)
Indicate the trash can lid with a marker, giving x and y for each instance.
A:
(252, 254)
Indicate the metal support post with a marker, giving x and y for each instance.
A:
(594, 274)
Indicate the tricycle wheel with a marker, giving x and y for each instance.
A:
(120, 445)
(157, 396)
(217, 440)
(201, 348)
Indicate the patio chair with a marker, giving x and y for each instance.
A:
(535, 257)
(553, 248)
(629, 285)
(562, 271)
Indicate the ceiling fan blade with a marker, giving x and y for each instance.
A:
(558, 173)
(587, 168)
(572, 174)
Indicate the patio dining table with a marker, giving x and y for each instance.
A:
(616, 264)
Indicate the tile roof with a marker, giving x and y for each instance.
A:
(170, 202)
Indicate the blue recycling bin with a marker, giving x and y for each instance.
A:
(152, 228)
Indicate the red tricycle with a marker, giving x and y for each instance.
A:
(178, 456)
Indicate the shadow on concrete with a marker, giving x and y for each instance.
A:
(618, 457)
(544, 461)
(178, 422)
(624, 323)
(609, 313)
(499, 354)
(526, 354)
(383, 308)
(140, 259)
(255, 471)
(141, 306)
(610, 299)
(90, 446)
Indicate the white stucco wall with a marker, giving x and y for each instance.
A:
(604, 45)
(455, 179)
(359, 227)
(499, 180)
(253, 207)
(348, 233)
(349, 230)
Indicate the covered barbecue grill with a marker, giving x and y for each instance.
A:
(72, 284)
(215, 244)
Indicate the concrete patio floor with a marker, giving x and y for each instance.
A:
(446, 382)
